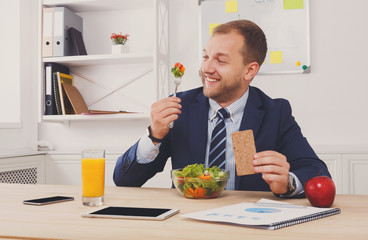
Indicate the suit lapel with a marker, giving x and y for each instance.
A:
(198, 125)
(253, 115)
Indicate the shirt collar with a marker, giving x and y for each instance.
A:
(235, 109)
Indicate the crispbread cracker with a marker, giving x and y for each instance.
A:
(244, 150)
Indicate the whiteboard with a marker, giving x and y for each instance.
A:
(284, 22)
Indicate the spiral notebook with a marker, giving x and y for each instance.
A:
(264, 214)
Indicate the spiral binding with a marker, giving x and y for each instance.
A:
(307, 218)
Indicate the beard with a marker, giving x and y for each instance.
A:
(224, 91)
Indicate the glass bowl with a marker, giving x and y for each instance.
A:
(203, 186)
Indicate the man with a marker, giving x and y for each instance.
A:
(232, 57)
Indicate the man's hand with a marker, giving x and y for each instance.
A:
(162, 113)
(274, 168)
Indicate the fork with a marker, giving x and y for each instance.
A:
(177, 82)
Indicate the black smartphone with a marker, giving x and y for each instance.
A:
(48, 200)
(132, 213)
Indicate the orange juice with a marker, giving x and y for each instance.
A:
(93, 177)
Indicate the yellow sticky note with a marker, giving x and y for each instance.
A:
(212, 26)
(293, 4)
(231, 6)
(276, 56)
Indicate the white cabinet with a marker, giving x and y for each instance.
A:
(66, 169)
(127, 82)
(348, 169)
(333, 162)
(355, 169)
(23, 168)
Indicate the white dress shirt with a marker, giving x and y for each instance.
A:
(232, 124)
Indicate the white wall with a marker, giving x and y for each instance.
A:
(10, 65)
(329, 103)
(17, 79)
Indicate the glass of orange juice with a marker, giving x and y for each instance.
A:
(93, 177)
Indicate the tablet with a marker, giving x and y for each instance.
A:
(132, 213)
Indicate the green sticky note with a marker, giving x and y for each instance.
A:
(293, 4)
(231, 6)
(276, 56)
(212, 26)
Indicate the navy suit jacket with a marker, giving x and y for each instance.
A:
(270, 119)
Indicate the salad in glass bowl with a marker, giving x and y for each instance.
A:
(195, 181)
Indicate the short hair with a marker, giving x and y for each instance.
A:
(255, 44)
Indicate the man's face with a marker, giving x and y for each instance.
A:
(223, 69)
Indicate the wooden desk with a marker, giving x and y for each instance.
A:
(63, 220)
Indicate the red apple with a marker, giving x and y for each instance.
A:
(320, 191)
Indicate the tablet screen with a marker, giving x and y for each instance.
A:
(129, 211)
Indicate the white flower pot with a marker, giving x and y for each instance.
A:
(119, 49)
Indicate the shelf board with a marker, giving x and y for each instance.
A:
(79, 6)
(83, 60)
(95, 117)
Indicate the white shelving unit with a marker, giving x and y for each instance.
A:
(89, 60)
(145, 69)
(79, 117)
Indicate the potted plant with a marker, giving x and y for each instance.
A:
(118, 43)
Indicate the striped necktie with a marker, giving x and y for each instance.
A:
(217, 154)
